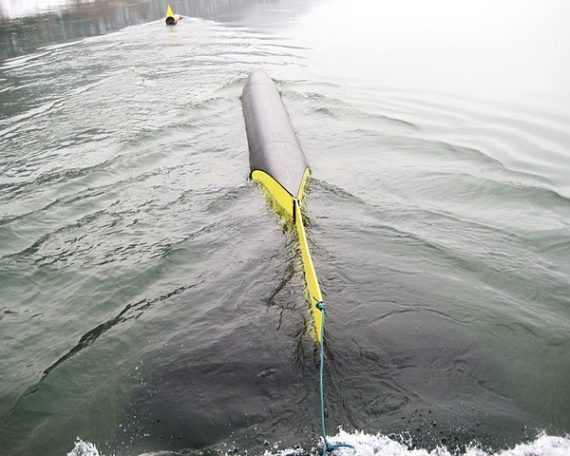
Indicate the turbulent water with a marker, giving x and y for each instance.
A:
(151, 302)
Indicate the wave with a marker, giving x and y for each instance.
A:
(378, 444)
(367, 444)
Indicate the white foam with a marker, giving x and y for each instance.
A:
(381, 445)
(83, 449)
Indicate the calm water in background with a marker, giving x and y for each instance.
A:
(149, 299)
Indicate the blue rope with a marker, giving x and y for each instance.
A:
(327, 447)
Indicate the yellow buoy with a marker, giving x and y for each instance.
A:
(171, 18)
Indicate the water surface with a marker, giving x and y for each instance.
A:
(150, 300)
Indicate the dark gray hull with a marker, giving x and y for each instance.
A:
(273, 145)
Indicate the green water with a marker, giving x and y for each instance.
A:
(149, 299)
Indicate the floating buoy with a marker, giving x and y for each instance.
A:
(278, 163)
(171, 18)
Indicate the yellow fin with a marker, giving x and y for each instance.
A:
(285, 204)
(279, 195)
(313, 288)
(169, 12)
(301, 191)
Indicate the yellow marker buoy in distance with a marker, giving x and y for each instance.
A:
(171, 18)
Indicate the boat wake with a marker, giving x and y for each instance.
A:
(369, 444)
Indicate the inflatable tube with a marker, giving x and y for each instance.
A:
(277, 161)
(275, 155)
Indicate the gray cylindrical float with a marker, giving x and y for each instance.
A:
(273, 145)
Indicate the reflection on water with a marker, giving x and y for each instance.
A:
(26, 25)
(22, 8)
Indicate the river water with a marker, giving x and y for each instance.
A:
(150, 301)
